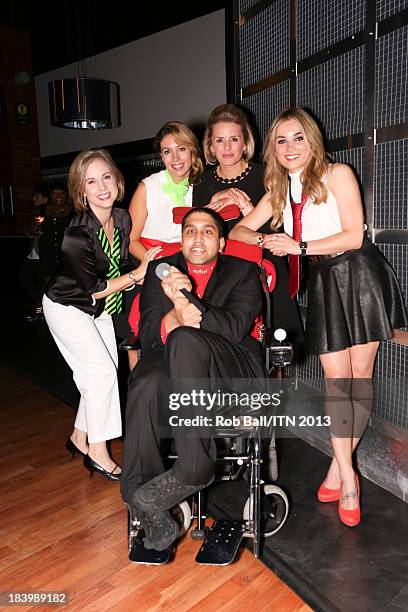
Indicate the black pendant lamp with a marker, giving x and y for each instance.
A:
(84, 103)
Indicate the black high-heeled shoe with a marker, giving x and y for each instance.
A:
(74, 450)
(92, 466)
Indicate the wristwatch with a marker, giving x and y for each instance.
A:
(303, 248)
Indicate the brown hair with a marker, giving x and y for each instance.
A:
(228, 113)
(77, 173)
(183, 135)
(276, 176)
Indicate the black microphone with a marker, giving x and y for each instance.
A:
(163, 270)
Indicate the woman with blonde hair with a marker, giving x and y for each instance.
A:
(233, 178)
(354, 300)
(85, 291)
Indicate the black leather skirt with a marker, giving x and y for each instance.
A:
(353, 298)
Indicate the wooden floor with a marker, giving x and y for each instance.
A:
(59, 531)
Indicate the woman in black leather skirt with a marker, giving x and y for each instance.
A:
(354, 299)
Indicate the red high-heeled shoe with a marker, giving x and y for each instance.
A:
(351, 518)
(325, 494)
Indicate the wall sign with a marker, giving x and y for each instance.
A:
(22, 112)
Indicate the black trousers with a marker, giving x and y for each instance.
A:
(189, 354)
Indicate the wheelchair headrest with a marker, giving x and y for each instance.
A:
(228, 213)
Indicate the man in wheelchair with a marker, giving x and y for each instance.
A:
(207, 339)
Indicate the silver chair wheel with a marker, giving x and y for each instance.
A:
(182, 515)
(274, 510)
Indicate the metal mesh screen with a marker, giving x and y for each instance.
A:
(264, 43)
(321, 24)
(266, 104)
(352, 157)
(386, 8)
(397, 255)
(245, 5)
(391, 185)
(391, 384)
(391, 75)
(308, 371)
(334, 92)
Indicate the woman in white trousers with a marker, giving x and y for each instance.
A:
(85, 291)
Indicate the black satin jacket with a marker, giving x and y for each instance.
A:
(83, 266)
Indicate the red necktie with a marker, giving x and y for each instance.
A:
(294, 260)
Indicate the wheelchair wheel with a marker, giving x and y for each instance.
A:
(274, 510)
(182, 515)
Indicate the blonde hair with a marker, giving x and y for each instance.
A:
(77, 175)
(276, 176)
(228, 113)
(183, 135)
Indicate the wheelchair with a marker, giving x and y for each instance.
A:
(240, 455)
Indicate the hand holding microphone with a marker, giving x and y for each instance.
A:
(174, 281)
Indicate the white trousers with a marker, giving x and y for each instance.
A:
(88, 346)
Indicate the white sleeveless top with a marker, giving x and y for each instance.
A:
(159, 223)
(318, 220)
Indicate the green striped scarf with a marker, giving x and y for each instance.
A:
(113, 303)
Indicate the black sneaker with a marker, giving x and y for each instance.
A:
(161, 530)
(164, 492)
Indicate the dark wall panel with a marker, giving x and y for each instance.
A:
(387, 8)
(391, 78)
(334, 91)
(266, 104)
(391, 185)
(354, 158)
(321, 24)
(245, 5)
(264, 43)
